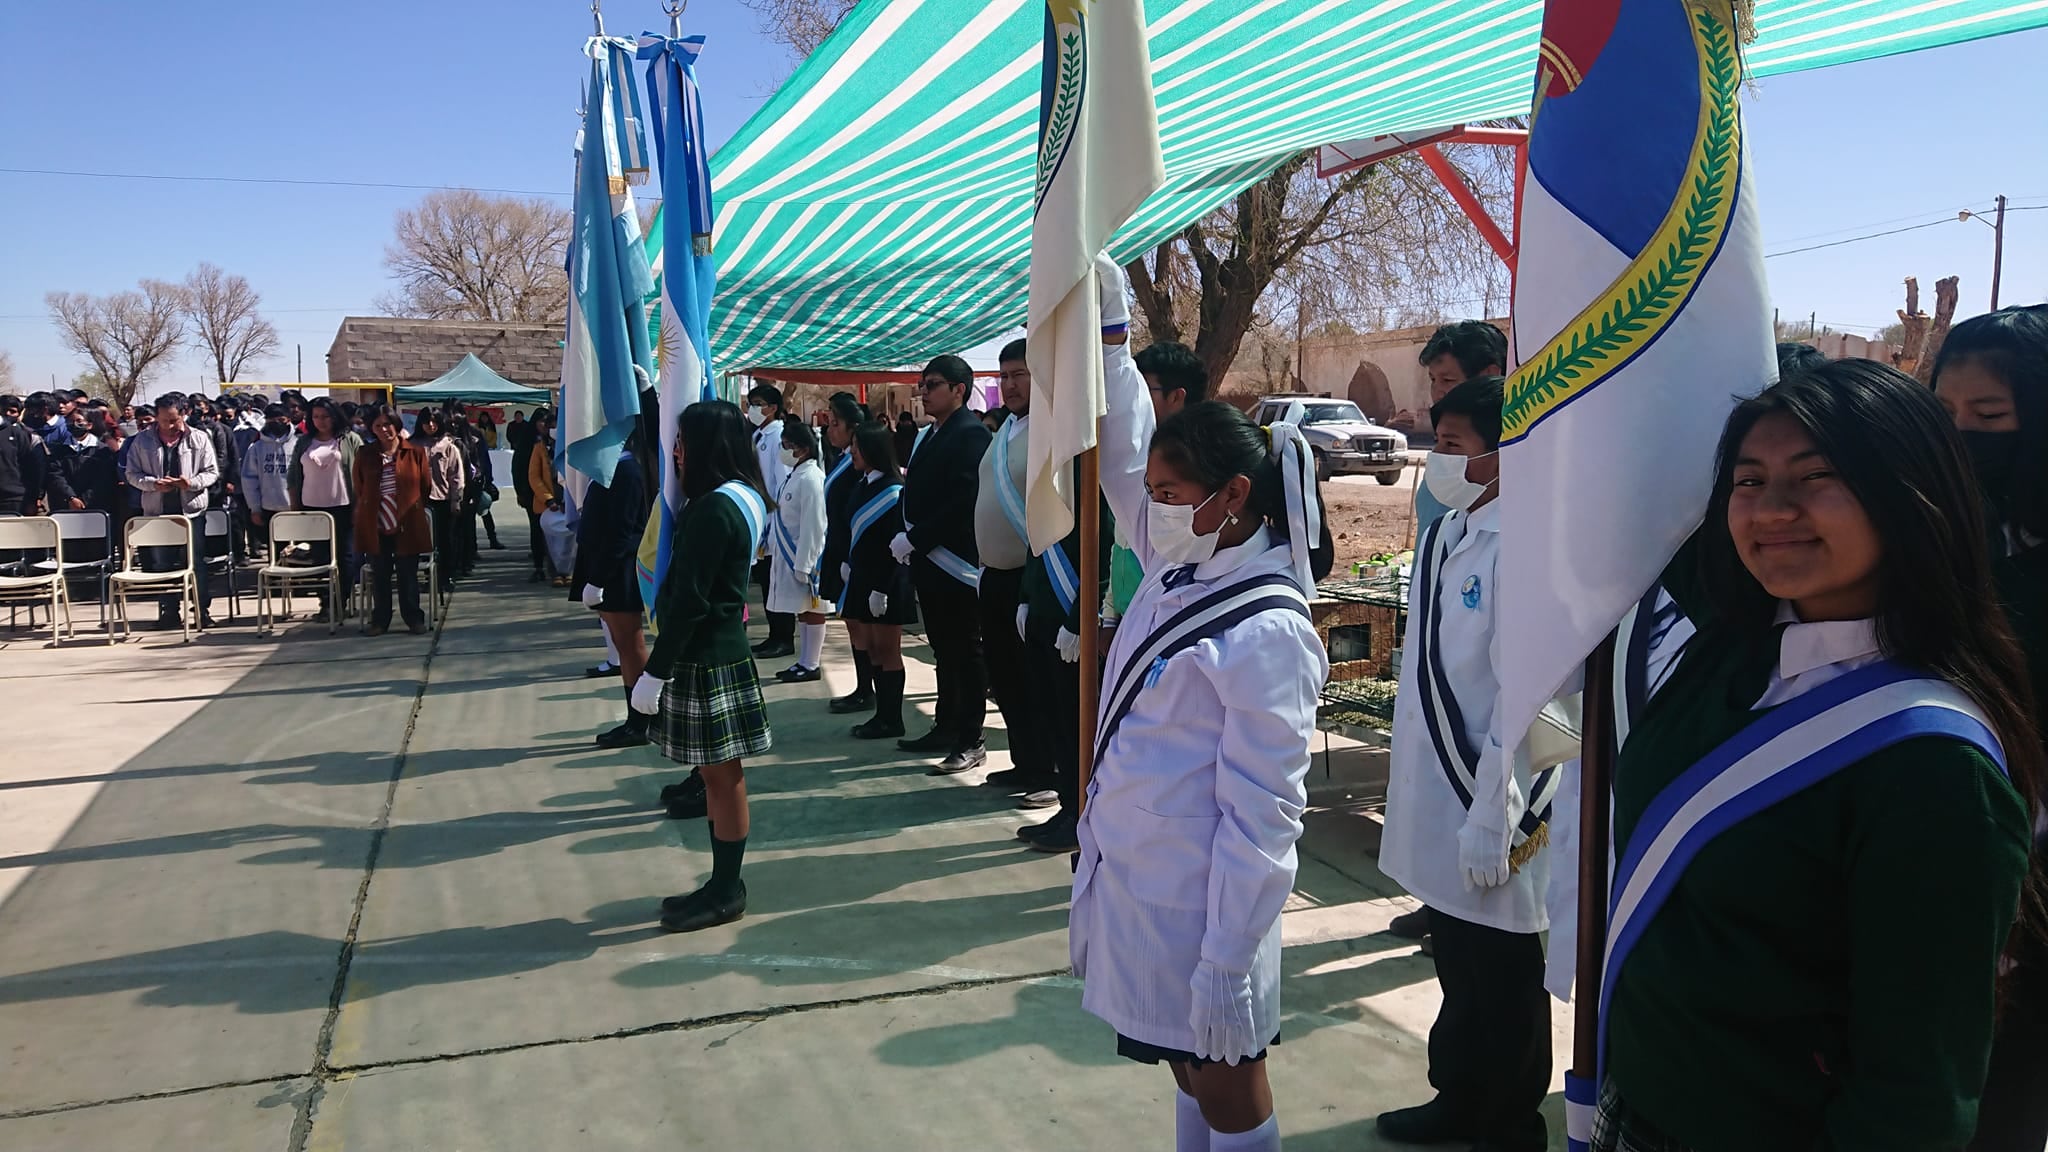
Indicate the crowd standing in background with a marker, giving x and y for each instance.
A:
(1873, 548)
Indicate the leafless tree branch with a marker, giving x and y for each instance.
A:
(225, 322)
(462, 255)
(124, 335)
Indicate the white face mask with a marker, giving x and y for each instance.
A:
(789, 457)
(1445, 476)
(1170, 529)
(754, 415)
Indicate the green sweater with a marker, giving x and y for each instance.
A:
(699, 607)
(1822, 976)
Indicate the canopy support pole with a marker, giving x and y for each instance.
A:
(1088, 500)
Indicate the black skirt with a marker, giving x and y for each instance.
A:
(893, 581)
(1145, 1053)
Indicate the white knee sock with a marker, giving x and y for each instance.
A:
(611, 650)
(813, 636)
(1264, 1138)
(1190, 1131)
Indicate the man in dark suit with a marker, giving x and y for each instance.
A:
(939, 488)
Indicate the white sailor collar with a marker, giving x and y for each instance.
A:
(1228, 560)
(1805, 647)
(1014, 426)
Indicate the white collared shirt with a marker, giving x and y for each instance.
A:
(1810, 655)
(1419, 848)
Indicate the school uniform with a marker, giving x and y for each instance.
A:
(796, 541)
(877, 518)
(711, 706)
(1188, 836)
(608, 539)
(1053, 605)
(1003, 547)
(939, 489)
(768, 451)
(1489, 1049)
(1767, 998)
(841, 482)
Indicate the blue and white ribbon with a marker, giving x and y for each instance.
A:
(877, 507)
(952, 565)
(1008, 497)
(1066, 583)
(753, 508)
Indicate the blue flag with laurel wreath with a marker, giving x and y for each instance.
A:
(1641, 316)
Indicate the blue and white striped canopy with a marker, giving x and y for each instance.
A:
(877, 211)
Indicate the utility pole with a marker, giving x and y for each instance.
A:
(301, 350)
(1997, 250)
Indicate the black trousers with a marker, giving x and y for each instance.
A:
(1489, 1050)
(1009, 673)
(443, 517)
(386, 568)
(781, 625)
(536, 543)
(1056, 702)
(952, 623)
(2013, 1113)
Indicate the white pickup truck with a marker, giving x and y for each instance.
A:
(1344, 440)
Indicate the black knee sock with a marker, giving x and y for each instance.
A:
(725, 864)
(863, 673)
(889, 696)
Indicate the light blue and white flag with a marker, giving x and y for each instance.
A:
(688, 275)
(606, 359)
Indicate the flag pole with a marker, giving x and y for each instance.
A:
(1596, 774)
(1088, 498)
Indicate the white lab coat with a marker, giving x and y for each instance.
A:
(800, 504)
(1419, 849)
(768, 450)
(1188, 837)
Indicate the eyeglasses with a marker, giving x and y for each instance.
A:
(933, 384)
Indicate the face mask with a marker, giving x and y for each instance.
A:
(1170, 528)
(789, 457)
(1445, 476)
(1994, 457)
(754, 415)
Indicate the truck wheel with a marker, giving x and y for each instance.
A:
(1387, 479)
(1322, 464)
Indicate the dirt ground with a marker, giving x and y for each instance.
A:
(1366, 518)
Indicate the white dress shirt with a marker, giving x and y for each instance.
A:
(1188, 837)
(768, 450)
(800, 504)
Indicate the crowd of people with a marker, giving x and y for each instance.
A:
(399, 488)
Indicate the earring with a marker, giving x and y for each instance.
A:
(1231, 517)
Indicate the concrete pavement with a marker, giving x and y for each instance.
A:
(319, 893)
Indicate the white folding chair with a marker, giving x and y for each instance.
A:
(131, 580)
(88, 550)
(362, 597)
(33, 585)
(281, 580)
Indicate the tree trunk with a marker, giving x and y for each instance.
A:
(1912, 330)
(1937, 333)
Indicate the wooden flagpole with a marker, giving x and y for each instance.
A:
(1596, 774)
(1088, 498)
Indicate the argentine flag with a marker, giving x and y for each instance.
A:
(606, 359)
(688, 276)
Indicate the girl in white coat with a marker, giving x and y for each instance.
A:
(796, 541)
(1202, 755)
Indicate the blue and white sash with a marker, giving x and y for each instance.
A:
(952, 565)
(753, 509)
(1785, 751)
(1440, 712)
(1206, 618)
(1008, 497)
(877, 507)
(1066, 583)
(839, 469)
(1641, 633)
(785, 537)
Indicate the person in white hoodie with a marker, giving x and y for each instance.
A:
(1202, 752)
(265, 465)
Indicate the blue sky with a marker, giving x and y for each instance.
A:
(484, 94)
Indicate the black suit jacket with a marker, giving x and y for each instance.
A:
(940, 484)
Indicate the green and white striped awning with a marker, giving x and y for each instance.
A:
(877, 211)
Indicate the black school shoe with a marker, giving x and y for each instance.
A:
(850, 703)
(771, 648)
(963, 760)
(798, 674)
(596, 671)
(932, 741)
(631, 734)
(701, 909)
(1410, 925)
(1059, 834)
(685, 800)
(878, 729)
(1431, 1123)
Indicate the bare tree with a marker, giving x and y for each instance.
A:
(1921, 336)
(6, 372)
(1377, 246)
(125, 335)
(225, 323)
(800, 25)
(462, 255)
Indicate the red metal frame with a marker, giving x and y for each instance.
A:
(1425, 144)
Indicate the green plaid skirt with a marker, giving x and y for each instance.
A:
(713, 714)
(1616, 1129)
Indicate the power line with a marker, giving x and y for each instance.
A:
(1858, 239)
(280, 180)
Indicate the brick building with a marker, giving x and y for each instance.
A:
(392, 350)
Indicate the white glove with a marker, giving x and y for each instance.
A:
(900, 548)
(647, 694)
(1023, 614)
(1115, 289)
(1483, 854)
(592, 595)
(1222, 1014)
(1069, 646)
(878, 604)
(803, 579)
(845, 573)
